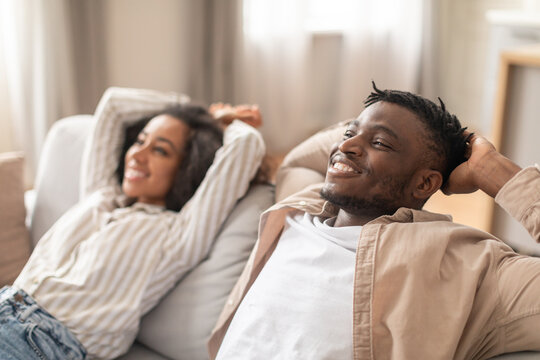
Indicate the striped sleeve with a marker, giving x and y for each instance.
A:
(197, 224)
(117, 108)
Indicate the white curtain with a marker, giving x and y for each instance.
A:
(279, 65)
(383, 43)
(272, 67)
(39, 70)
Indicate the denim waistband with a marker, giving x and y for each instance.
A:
(11, 293)
(18, 297)
(17, 307)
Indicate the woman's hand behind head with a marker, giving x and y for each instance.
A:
(225, 114)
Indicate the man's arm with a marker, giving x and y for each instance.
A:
(516, 190)
(518, 277)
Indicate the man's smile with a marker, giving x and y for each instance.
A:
(341, 165)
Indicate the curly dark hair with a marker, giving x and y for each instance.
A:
(446, 141)
(205, 139)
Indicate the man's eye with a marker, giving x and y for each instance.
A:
(348, 134)
(379, 143)
(139, 141)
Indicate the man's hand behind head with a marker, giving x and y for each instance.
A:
(485, 169)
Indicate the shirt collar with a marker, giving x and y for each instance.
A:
(402, 215)
(122, 212)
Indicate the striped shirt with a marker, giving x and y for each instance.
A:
(102, 266)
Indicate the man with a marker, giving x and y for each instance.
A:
(367, 274)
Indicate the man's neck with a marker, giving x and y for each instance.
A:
(347, 219)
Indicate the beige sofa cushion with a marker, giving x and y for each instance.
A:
(14, 240)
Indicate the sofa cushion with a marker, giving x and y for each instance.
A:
(180, 325)
(14, 240)
(141, 352)
(57, 179)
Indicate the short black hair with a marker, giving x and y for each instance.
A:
(205, 138)
(447, 142)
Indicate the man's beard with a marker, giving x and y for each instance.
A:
(377, 205)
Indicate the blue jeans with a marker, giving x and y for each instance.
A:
(27, 331)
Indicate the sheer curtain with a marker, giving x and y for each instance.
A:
(39, 71)
(383, 43)
(280, 63)
(272, 67)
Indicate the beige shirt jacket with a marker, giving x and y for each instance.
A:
(425, 287)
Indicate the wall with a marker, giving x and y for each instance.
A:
(147, 46)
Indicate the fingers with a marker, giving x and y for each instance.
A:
(464, 178)
(226, 113)
(251, 116)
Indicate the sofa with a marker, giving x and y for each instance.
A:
(178, 327)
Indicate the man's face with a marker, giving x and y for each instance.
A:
(371, 171)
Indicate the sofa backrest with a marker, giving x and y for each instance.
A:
(57, 179)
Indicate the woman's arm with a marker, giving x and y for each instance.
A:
(117, 108)
(226, 181)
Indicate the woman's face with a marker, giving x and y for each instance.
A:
(153, 160)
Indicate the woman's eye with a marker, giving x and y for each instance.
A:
(348, 134)
(160, 151)
(139, 141)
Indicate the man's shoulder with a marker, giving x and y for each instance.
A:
(426, 225)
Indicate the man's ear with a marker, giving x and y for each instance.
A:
(428, 181)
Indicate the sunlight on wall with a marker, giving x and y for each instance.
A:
(331, 16)
(316, 16)
(386, 13)
(263, 18)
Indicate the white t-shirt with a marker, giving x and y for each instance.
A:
(301, 304)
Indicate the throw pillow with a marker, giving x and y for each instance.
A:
(14, 240)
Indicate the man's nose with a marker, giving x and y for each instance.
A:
(353, 146)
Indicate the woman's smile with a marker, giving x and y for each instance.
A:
(132, 174)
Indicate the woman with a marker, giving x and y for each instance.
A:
(110, 258)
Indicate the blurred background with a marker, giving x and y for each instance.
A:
(307, 63)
